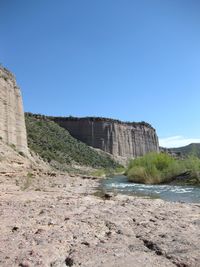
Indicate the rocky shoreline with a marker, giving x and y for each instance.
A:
(58, 221)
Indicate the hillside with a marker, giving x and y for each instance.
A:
(192, 149)
(58, 147)
(15, 163)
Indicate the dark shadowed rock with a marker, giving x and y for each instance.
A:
(69, 261)
(119, 138)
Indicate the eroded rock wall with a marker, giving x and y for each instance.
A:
(112, 136)
(12, 123)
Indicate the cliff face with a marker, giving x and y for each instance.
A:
(115, 137)
(12, 123)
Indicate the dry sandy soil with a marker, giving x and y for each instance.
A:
(58, 221)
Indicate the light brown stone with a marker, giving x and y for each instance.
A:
(12, 123)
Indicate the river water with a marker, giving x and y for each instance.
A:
(120, 184)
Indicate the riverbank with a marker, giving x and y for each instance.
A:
(169, 192)
(58, 221)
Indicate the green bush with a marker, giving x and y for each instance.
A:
(192, 164)
(139, 173)
(154, 168)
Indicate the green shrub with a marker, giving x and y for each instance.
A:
(154, 168)
(139, 174)
(192, 164)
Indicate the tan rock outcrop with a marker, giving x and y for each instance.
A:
(12, 123)
(115, 137)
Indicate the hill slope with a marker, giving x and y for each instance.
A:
(55, 144)
(14, 163)
(192, 149)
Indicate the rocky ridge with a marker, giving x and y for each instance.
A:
(16, 164)
(118, 138)
(12, 123)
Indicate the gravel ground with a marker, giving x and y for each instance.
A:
(58, 221)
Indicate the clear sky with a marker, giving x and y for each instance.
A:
(133, 60)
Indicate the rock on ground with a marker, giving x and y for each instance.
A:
(58, 221)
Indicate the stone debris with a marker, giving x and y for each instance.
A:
(69, 225)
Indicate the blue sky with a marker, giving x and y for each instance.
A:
(125, 59)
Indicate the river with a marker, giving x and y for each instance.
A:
(181, 193)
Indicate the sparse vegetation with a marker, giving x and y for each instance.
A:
(108, 172)
(13, 146)
(28, 181)
(99, 173)
(55, 145)
(156, 168)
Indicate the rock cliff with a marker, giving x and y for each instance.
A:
(12, 123)
(115, 137)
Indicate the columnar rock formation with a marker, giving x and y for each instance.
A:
(12, 123)
(115, 137)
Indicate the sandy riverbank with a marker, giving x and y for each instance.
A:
(57, 222)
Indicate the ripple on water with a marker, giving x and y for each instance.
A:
(166, 192)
